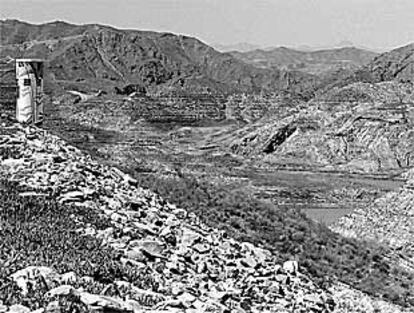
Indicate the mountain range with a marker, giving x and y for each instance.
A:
(102, 57)
(105, 56)
(314, 62)
(397, 64)
(247, 47)
(361, 122)
(240, 47)
(333, 152)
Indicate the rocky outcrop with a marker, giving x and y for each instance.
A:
(388, 220)
(397, 64)
(370, 93)
(368, 131)
(350, 300)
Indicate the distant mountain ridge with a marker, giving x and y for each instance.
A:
(315, 62)
(396, 65)
(240, 47)
(247, 47)
(102, 57)
(105, 56)
(360, 122)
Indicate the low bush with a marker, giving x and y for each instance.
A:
(10, 153)
(38, 231)
(325, 255)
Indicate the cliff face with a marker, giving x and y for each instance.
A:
(361, 123)
(363, 127)
(104, 54)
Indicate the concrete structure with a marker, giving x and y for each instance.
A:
(29, 75)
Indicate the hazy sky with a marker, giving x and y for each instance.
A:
(372, 23)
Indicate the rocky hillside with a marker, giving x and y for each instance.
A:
(316, 62)
(102, 56)
(396, 65)
(359, 128)
(82, 236)
(388, 220)
(189, 265)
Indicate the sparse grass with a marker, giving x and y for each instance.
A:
(39, 231)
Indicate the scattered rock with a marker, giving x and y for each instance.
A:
(30, 275)
(195, 268)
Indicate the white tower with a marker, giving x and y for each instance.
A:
(29, 75)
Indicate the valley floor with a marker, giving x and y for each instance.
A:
(162, 148)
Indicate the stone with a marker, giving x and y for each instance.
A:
(143, 228)
(150, 248)
(199, 305)
(281, 278)
(17, 308)
(180, 213)
(145, 297)
(86, 280)
(291, 267)
(189, 237)
(133, 306)
(101, 301)
(249, 261)
(71, 196)
(13, 163)
(53, 307)
(177, 288)
(172, 221)
(118, 217)
(135, 263)
(201, 248)
(215, 294)
(186, 299)
(63, 290)
(136, 254)
(30, 274)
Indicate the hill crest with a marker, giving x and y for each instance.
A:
(103, 56)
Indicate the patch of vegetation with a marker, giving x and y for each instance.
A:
(325, 255)
(38, 231)
(10, 153)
